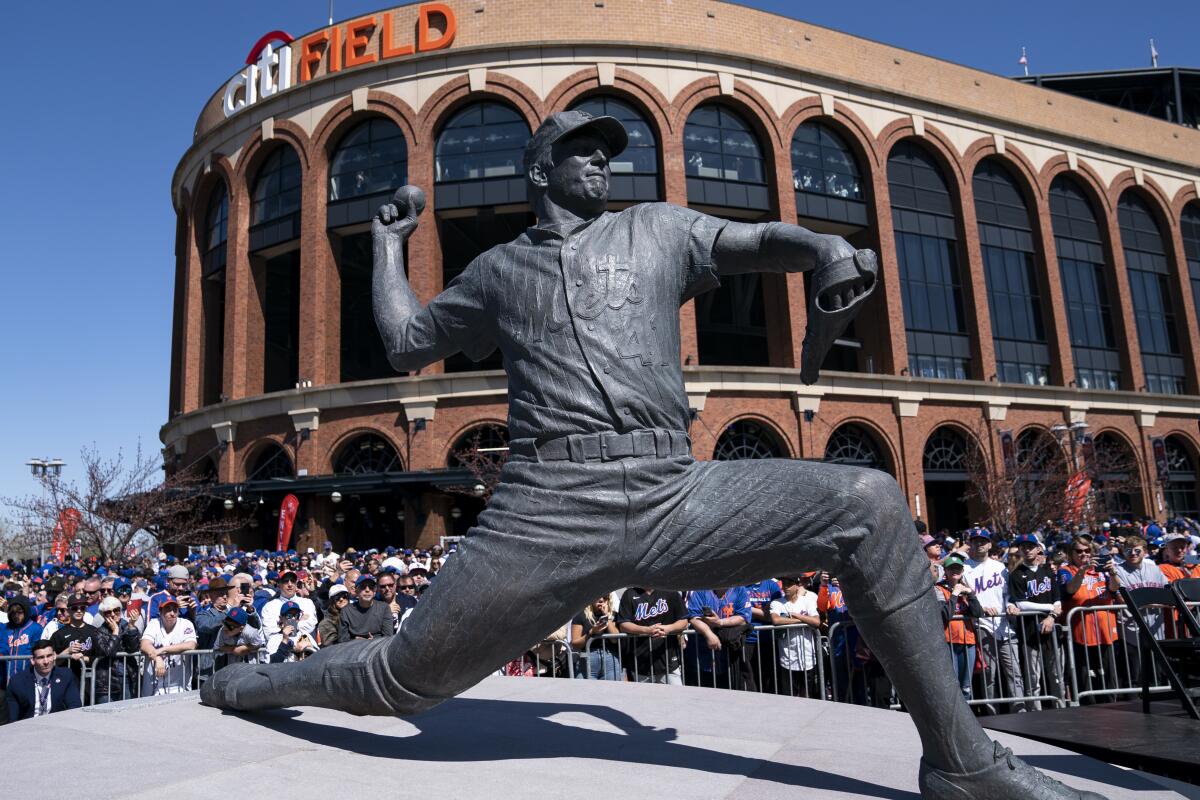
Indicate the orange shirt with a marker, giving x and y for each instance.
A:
(1177, 573)
(1089, 628)
(958, 631)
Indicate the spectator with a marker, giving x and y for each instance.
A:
(933, 551)
(797, 642)
(117, 635)
(1090, 581)
(656, 620)
(1136, 572)
(164, 643)
(1032, 587)
(396, 603)
(77, 640)
(1175, 548)
(17, 637)
(289, 593)
(603, 661)
(960, 608)
(988, 579)
(364, 618)
(91, 592)
(178, 589)
(722, 619)
(61, 617)
(327, 629)
(759, 657)
(42, 688)
(211, 617)
(290, 642)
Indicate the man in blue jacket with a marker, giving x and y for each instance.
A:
(43, 688)
(17, 637)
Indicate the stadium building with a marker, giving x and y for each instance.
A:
(1040, 254)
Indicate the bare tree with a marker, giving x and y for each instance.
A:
(1116, 481)
(121, 503)
(1023, 489)
(484, 464)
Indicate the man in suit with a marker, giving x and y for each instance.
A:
(43, 688)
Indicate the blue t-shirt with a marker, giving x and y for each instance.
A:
(761, 595)
(734, 601)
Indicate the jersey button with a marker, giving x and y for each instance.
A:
(579, 281)
(591, 327)
(607, 370)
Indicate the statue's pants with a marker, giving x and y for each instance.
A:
(557, 535)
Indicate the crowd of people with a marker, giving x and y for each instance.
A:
(88, 632)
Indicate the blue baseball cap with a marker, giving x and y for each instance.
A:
(238, 614)
(363, 580)
(290, 607)
(1028, 538)
(979, 533)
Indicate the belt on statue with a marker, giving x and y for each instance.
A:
(586, 447)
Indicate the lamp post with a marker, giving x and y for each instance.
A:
(1074, 434)
(45, 469)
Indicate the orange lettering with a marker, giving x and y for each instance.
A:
(424, 42)
(357, 41)
(310, 56)
(335, 49)
(385, 41)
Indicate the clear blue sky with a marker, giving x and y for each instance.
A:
(99, 110)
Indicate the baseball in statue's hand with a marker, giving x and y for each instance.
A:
(399, 217)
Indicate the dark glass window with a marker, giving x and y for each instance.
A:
(372, 158)
(1190, 226)
(271, 463)
(641, 156)
(483, 140)
(363, 356)
(281, 317)
(927, 250)
(1081, 266)
(216, 232)
(718, 144)
(216, 226)
(747, 439)
(277, 189)
(1149, 287)
(367, 454)
(1006, 240)
(1179, 492)
(854, 445)
(823, 164)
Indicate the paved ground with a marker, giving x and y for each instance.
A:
(521, 737)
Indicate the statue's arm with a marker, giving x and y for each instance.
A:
(414, 336)
(775, 247)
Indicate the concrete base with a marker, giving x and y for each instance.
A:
(521, 737)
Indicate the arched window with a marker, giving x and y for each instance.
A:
(1179, 491)
(1150, 288)
(927, 249)
(723, 160)
(945, 469)
(212, 296)
(1085, 288)
(276, 191)
(1189, 224)
(1114, 470)
(1039, 455)
(272, 462)
(747, 439)
(363, 356)
(367, 454)
(483, 443)
(1014, 297)
(635, 171)
(825, 176)
(370, 162)
(854, 445)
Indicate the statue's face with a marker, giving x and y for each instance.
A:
(579, 177)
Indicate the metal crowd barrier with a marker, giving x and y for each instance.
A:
(550, 658)
(1101, 673)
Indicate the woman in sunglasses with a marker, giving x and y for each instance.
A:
(121, 636)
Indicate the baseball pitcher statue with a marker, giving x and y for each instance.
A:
(600, 489)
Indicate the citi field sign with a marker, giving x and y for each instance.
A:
(269, 69)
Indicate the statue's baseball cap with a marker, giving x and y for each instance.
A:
(559, 125)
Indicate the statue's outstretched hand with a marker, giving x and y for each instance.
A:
(839, 289)
(398, 218)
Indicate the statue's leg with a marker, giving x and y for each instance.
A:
(712, 524)
(548, 543)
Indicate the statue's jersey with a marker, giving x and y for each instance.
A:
(587, 319)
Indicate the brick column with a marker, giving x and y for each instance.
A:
(241, 300)
(895, 353)
(910, 472)
(787, 311)
(979, 319)
(424, 253)
(675, 191)
(320, 300)
(190, 311)
(1133, 376)
(1058, 332)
